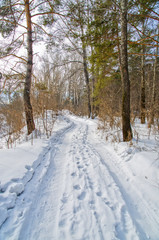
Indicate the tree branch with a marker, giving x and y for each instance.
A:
(45, 13)
(146, 44)
(42, 29)
(6, 20)
(14, 55)
(144, 34)
(144, 54)
(144, 16)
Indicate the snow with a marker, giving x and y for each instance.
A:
(77, 185)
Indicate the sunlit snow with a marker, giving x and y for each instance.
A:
(76, 185)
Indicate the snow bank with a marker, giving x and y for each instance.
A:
(17, 166)
(14, 174)
(17, 188)
(3, 215)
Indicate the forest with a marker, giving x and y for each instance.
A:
(79, 119)
(96, 58)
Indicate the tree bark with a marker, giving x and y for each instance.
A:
(142, 101)
(126, 127)
(87, 81)
(142, 97)
(94, 112)
(27, 85)
(153, 99)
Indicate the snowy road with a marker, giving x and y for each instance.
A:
(80, 192)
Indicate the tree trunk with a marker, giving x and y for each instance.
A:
(142, 100)
(94, 113)
(93, 98)
(84, 55)
(87, 80)
(153, 99)
(126, 127)
(27, 86)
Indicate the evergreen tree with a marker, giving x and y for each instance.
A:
(126, 127)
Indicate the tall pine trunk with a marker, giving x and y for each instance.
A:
(86, 74)
(142, 101)
(126, 127)
(87, 81)
(27, 85)
(153, 98)
(142, 97)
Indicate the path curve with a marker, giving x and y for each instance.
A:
(82, 194)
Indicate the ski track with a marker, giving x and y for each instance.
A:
(78, 195)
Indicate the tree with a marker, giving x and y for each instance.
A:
(126, 127)
(101, 34)
(12, 18)
(154, 83)
(142, 97)
(27, 85)
(75, 25)
(142, 18)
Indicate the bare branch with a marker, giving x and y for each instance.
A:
(149, 9)
(148, 37)
(45, 13)
(22, 35)
(66, 62)
(14, 55)
(146, 44)
(42, 29)
(23, 75)
(143, 39)
(6, 20)
(144, 54)
(144, 16)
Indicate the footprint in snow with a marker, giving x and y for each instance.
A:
(20, 214)
(76, 209)
(99, 194)
(80, 166)
(62, 223)
(74, 227)
(73, 174)
(64, 199)
(81, 196)
(91, 202)
(76, 187)
(109, 204)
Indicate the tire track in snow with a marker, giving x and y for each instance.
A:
(138, 206)
(129, 214)
(26, 202)
(43, 212)
(124, 223)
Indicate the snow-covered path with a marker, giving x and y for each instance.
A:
(82, 194)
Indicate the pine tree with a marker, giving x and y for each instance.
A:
(126, 127)
(12, 15)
